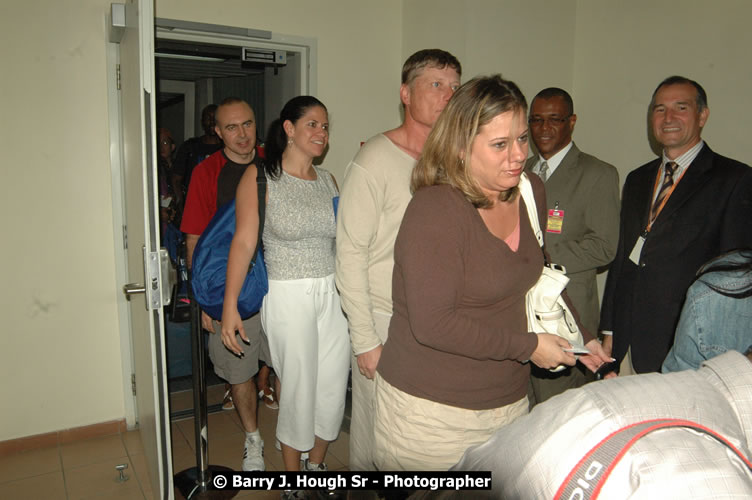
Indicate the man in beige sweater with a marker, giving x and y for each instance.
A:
(373, 199)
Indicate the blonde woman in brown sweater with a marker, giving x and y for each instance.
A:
(455, 367)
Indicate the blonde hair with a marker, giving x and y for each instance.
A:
(447, 149)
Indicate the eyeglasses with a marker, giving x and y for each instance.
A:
(552, 120)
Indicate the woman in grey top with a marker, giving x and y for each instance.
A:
(301, 314)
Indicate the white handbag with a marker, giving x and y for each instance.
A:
(546, 310)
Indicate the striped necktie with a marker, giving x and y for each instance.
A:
(668, 181)
(543, 171)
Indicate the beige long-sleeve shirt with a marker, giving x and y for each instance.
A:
(373, 200)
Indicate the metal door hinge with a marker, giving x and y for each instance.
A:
(117, 74)
(125, 237)
(133, 383)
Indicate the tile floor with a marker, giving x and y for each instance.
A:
(86, 469)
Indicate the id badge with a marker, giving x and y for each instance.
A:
(555, 221)
(637, 250)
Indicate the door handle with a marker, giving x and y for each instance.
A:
(156, 270)
(132, 289)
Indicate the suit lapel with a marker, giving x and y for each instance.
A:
(569, 161)
(693, 179)
(644, 192)
(562, 172)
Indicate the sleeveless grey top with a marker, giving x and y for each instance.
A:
(299, 229)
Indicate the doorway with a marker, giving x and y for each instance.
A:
(132, 98)
(197, 65)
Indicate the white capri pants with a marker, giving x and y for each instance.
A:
(310, 349)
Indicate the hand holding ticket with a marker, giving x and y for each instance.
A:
(577, 349)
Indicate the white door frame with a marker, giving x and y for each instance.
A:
(307, 49)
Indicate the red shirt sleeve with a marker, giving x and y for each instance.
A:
(201, 202)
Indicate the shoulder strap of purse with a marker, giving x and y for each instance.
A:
(587, 478)
(526, 190)
(261, 184)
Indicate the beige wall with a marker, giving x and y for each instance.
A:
(528, 41)
(60, 362)
(60, 354)
(609, 54)
(624, 49)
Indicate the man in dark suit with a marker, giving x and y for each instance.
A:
(678, 211)
(582, 196)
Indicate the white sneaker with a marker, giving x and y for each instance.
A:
(253, 454)
(278, 445)
(323, 493)
(309, 467)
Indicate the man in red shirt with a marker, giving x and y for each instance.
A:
(213, 184)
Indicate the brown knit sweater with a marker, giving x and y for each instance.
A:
(458, 334)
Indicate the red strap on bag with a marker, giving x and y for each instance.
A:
(587, 478)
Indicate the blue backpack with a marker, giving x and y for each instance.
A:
(209, 269)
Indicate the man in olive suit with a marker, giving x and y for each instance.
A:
(582, 196)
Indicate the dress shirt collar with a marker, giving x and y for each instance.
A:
(683, 161)
(554, 161)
